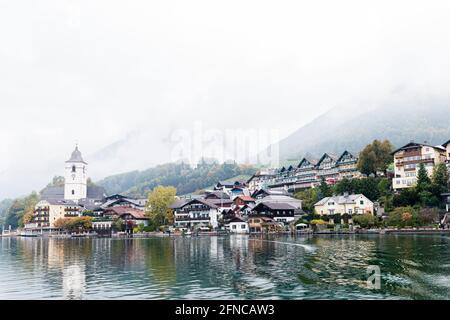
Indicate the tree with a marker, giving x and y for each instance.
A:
(402, 217)
(366, 220)
(345, 185)
(158, 205)
(407, 197)
(440, 179)
(118, 224)
(375, 157)
(423, 181)
(324, 189)
(309, 198)
(19, 208)
(74, 224)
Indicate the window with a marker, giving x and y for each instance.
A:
(74, 169)
(73, 192)
(233, 227)
(361, 202)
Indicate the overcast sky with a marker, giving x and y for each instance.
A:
(121, 78)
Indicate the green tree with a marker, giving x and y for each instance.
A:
(325, 189)
(423, 180)
(118, 224)
(309, 198)
(407, 197)
(375, 157)
(20, 208)
(158, 205)
(345, 185)
(366, 220)
(440, 179)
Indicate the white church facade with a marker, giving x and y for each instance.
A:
(75, 177)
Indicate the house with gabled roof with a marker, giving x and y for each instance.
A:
(408, 158)
(349, 204)
(327, 168)
(347, 165)
(193, 213)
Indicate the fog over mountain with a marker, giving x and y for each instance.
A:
(142, 83)
(401, 118)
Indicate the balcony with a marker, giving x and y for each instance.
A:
(192, 219)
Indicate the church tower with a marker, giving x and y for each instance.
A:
(75, 186)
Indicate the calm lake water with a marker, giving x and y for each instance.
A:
(235, 267)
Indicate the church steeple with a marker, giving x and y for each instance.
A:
(76, 156)
(75, 187)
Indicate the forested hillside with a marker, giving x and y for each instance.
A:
(180, 175)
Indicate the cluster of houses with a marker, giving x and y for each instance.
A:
(233, 207)
(77, 198)
(263, 202)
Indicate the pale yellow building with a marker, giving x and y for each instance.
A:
(345, 204)
(47, 212)
(408, 158)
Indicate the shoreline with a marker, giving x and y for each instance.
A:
(210, 234)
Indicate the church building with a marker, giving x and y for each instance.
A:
(75, 186)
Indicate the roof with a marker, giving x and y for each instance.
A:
(219, 202)
(305, 159)
(245, 198)
(57, 193)
(60, 202)
(269, 192)
(135, 213)
(446, 144)
(345, 199)
(76, 156)
(296, 203)
(413, 145)
(111, 202)
(181, 203)
(49, 193)
(237, 220)
(275, 206)
(219, 194)
(96, 192)
(345, 153)
(327, 155)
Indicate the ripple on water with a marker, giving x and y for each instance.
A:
(224, 268)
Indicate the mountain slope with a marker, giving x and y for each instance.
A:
(399, 120)
(182, 176)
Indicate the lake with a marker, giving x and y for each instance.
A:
(229, 267)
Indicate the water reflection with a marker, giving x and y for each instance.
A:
(235, 267)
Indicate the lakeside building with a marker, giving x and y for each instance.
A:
(408, 158)
(309, 173)
(261, 179)
(345, 204)
(238, 225)
(277, 211)
(195, 213)
(47, 212)
(262, 224)
(132, 216)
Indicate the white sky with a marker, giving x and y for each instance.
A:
(101, 71)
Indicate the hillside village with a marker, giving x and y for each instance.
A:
(328, 194)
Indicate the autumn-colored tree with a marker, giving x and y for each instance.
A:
(158, 205)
